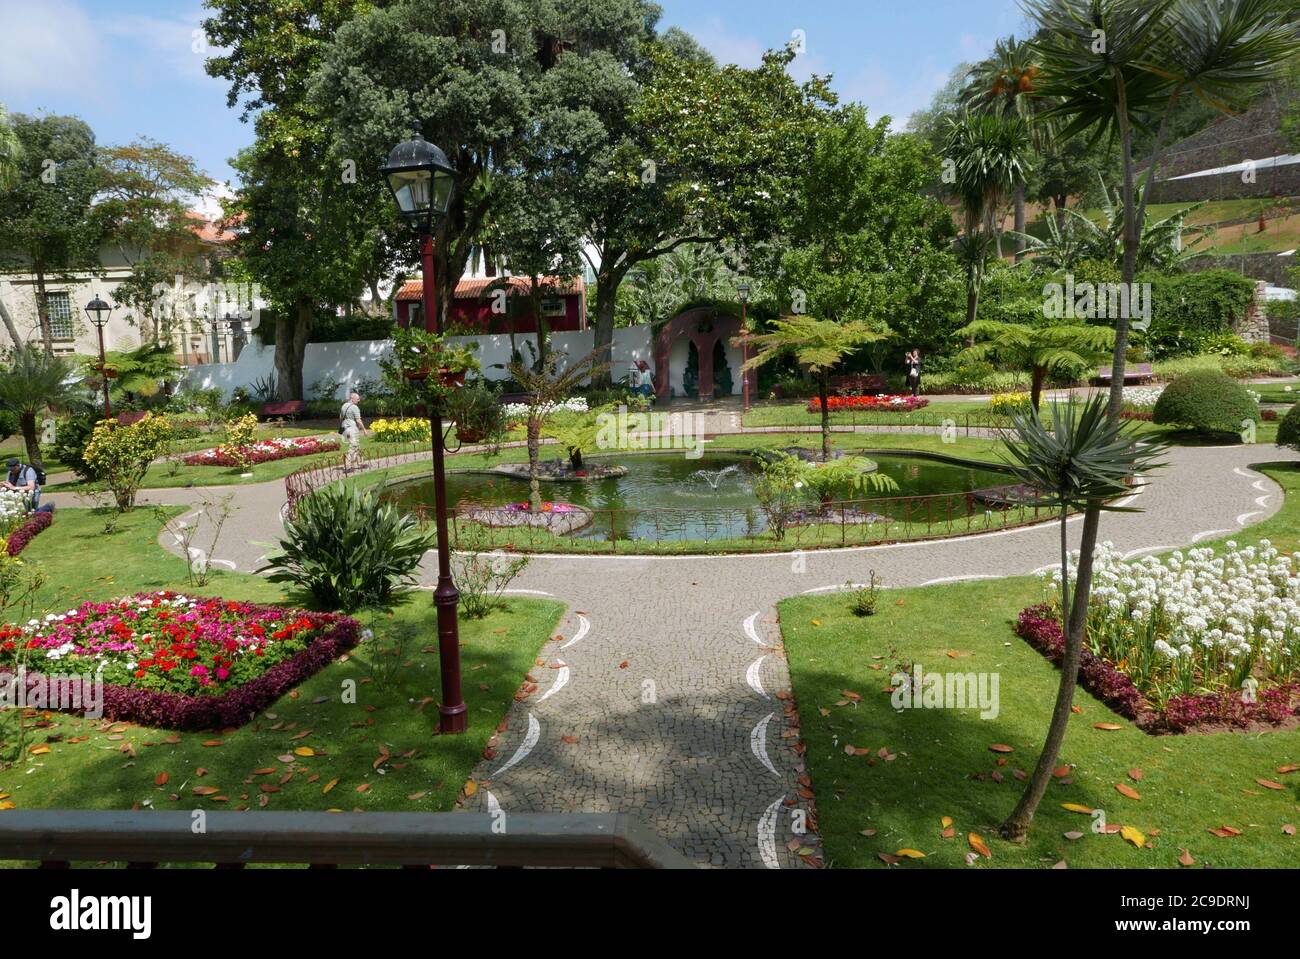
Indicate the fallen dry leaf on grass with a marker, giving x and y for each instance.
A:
(1225, 832)
(161, 779)
(1269, 784)
(978, 844)
(1186, 859)
(1124, 789)
(1134, 835)
(1107, 727)
(1135, 775)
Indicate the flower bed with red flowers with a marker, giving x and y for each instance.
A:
(28, 530)
(264, 451)
(1272, 706)
(178, 662)
(901, 403)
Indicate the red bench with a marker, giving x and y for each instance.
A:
(1132, 374)
(289, 408)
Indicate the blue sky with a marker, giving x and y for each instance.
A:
(131, 68)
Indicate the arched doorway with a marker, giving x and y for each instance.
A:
(694, 356)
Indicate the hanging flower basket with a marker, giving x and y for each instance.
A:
(452, 378)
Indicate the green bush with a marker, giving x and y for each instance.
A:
(1238, 367)
(347, 549)
(70, 439)
(1188, 309)
(1206, 401)
(8, 423)
(1288, 431)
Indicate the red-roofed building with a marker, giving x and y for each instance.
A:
(491, 304)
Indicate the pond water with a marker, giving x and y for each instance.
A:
(667, 496)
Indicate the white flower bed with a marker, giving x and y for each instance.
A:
(12, 510)
(1141, 397)
(574, 404)
(1196, 622)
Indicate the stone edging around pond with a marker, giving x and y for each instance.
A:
(519, 471)
(561, 523)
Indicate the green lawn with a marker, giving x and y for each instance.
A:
(943, 765)
(395, 709)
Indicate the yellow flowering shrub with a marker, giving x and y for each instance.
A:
(403, 430)
(119, 456)
(1008, 404)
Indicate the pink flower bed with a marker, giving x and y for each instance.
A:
(179, 662)
(264, 451)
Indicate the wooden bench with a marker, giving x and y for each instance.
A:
(286, 408)
(859, 384)
(1132, 374)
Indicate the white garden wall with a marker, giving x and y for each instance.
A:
(354, 361)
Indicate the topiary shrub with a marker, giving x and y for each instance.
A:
(1288, 431)
(1206, 401)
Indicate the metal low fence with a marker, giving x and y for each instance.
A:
(57, 838)
(979, 424)
(330, 469)
(865, 522)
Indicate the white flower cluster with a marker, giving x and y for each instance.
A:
(1196, 621)
(1141, 397)
(12, 509)
(574, 404)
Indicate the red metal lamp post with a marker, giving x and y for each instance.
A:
(99, 312)
(421, 179)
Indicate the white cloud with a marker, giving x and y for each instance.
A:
(727, 47)
(178, 44)
(51, 49)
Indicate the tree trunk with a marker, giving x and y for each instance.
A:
(606, 293)
(43, 311)
(1016, 826)
(1060, 201)
(10, 326)
(27, 424)
(822, 390)
(292, 331)
(575, 457)
(972, 295)
(1020, 220)
(1036, 389)
(534, 464)
(539, 322)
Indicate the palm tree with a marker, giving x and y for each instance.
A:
(1116, 66)
(989, 155)
(35, 382)
(1083, 461)
(1006, 84)
(547, 387)
(145, 371)
(818, 346)
(1164, 244)
(1042, 348)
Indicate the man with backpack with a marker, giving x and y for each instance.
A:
(25, 479)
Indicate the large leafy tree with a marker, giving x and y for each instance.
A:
(47, 218)
(145, 204)
(818, 346)
(34, 383)
(311, 224)
(470, 76)
(694, 153)
(863, 242)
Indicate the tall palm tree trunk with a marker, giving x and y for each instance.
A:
(1020, 220)
(534, 464)
(27, 425)
(1016, 826)
(1036, 389)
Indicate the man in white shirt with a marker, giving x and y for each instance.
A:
(352, 426)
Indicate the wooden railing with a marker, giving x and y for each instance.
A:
(58, 838)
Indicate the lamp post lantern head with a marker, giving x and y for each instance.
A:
(742, 289)
(421, 178)
(99, 312)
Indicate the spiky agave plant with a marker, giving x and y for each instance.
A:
(1085, 460)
